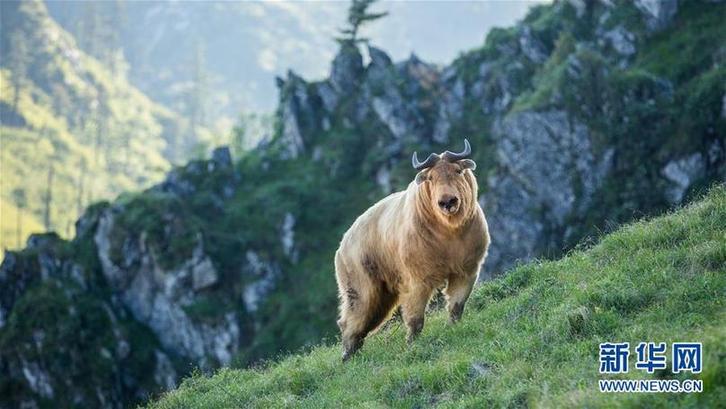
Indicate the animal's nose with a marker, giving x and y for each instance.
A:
(448, 202)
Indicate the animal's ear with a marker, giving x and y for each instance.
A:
(421, 177)
(467, 164)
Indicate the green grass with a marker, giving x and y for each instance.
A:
(528, 339)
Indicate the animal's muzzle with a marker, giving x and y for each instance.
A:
(449, 203)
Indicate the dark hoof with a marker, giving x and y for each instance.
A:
(351, 349)
(456, 312)
(348, 353)
(414, 329)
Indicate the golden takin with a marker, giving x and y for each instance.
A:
(410, 244)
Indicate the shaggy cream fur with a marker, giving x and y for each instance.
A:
(405, 247)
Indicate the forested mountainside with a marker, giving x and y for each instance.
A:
(581, 117)
(73, 130)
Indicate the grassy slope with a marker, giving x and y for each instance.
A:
(536, 332)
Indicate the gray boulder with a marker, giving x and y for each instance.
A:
(546, 172)
(531, 47)
(657, 13)
(681, 173)
(157, 297)
(621, 40)
(222, 157)
(347, 69)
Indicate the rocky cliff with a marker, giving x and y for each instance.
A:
(571, 114)
(583, 116)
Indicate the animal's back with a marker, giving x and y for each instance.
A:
(365, 232)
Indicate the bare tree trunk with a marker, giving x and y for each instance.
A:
(48, 197)
(19, 227)
(97, 145)
(81, 181)
(90, 190)
(127, 152)
(16, 97)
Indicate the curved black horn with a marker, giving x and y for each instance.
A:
(429, 162)
(453, 157)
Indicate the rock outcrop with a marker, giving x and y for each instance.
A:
(547, 172)
(658, 13)
(157, 296)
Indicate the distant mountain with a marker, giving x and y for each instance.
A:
(179, 50)
(583, 116)
(73, 130)
(241, 46)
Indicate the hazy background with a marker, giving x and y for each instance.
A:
(241, 46)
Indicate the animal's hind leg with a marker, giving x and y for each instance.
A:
(364, 312)
(353, 309)
(353, 321)
(350, 320)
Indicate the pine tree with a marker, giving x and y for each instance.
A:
(117, 21)
(197, 97)
(89, 29)
(357, 16)
(99, 32)
(18, 62)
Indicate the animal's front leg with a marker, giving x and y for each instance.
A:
(413, 308)
(457, 292)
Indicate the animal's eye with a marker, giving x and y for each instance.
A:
(460, 171)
